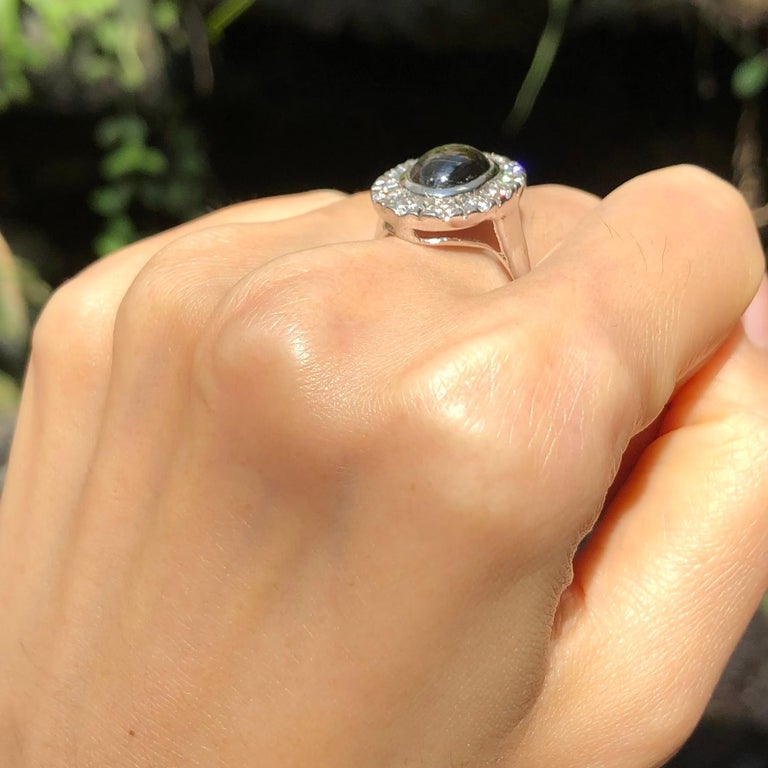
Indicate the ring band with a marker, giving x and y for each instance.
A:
(456, 195)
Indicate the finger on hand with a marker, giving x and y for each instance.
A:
(671, 576)
(549, 213)
(630, 303)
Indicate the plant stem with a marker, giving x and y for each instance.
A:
(543, 58)
(224, 14)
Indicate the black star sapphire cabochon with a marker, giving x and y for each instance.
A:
(451, 165)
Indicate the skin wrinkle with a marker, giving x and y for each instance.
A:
(573, 404)
(490, 373)
(548, 427)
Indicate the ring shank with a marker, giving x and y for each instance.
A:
(502, 235)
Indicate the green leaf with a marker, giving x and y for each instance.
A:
(112, 200)
(133, 158)
(165, 15)
(751, 76)
(132, 73)
(15, 89)
(14, 318)
(94, 68)
(36, 290)
(121, 129)
(10, 394)
(119, 232)
(107, 33)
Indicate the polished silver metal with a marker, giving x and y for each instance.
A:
(483, 213)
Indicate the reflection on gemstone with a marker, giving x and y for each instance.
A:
(451, 165)
(395, 192)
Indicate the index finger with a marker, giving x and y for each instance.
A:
(625, 308)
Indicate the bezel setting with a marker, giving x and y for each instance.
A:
(395, 192)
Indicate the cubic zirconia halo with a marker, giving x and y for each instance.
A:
(456, 196)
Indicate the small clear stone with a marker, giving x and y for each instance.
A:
(451, 211)
(470, 204)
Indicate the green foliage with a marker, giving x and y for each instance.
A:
(22, 295)
(124, 137)
(170, 181)
(14, 316)
(119, 51)
(101, 39)
(751, 76)
(10, 394)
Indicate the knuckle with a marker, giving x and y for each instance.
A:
(251, 356)
(143, 314)
(290, 314)
(581, 391)
(711, 195)
(716, 193)
(522, 401)
(461, 393)
(591, 359)
(718, 214)
(73, 332)
(165, 300)
(461, 424)
(268, 360)
(699, 180)
(586, 404)
(601, 399)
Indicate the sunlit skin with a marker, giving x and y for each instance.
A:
(283, 495)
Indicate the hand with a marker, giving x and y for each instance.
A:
(282, 495)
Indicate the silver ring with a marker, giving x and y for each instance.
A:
(456, 195)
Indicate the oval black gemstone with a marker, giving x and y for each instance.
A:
(449, 166)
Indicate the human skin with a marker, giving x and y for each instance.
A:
(284, 495)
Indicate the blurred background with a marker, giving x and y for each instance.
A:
(119, 118)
